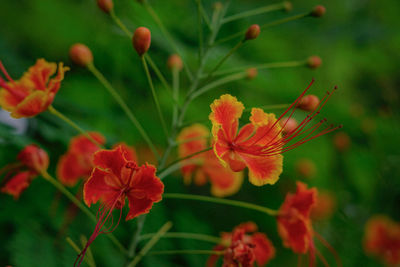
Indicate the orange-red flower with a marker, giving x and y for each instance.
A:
(258, 145)
(31, 161)
(294, 223)
(382, 239)
(206, 165)
(243, 247)
(114, 179)
(77, 163)
(34, 92)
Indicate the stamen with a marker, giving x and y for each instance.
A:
(5, 72)
(321, 257)
(330, 248)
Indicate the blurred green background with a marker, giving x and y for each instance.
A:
(359, 44)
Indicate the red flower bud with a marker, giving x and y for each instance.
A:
(105, 5)
(288, 125)
(141, 40)
(34, 158)
(309, 103)
(175, 62)
(251, 73)
(314, 62)
(287, 6)
(81, 55)
(318, 11)
(252, 32)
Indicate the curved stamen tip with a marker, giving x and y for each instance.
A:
(312, 79)
(131, 165)
(335, 88)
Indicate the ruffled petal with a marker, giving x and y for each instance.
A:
(32, 105)
(263, 170)
(69, 169)
(295, 234)
(17, 184)
(264, 250)
(145, 189)
(304, 199)
(40, 73)
(55, 83)
(128, 151)
(82, 145)
(112, 160)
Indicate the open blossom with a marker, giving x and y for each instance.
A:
(382, 239)
(258, 145)
(114, 179)
(243, 247)
(206, 165)
(34, 92)
(31, 161)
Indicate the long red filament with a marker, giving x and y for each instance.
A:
(321, 257)
(330, 248)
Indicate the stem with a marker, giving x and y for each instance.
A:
(175, 96)
(233, 50)
(89, 254)
(273, 23)
(155, 98)
(194, 236)
(136, 236)
(159, 74)
(273, 65)
(57, 113)
(254, 12)
(89, 260)
(167, 35)
(120, 24)
(278, 106)
(230, 202)
(79, 204)
(189, 251)
(227, 79)
(200, 29)
(151, 243)
(124, 107)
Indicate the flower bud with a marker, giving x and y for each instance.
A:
(175, 62)
(105, 5)
(252, 32)
(288, 125)
(81, 55)
(141, 40)
(341, 140)
(34, 158)
(314, 62)
(287, 6)
(318, 11)
(251, 73)
(309, 103)
(305, 168)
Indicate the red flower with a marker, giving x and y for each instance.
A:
(224, 182)
(77, 162)
(114, 179)
(259, 144)
(34, 92)
(32, 160)
(382, 239)
(242, 249)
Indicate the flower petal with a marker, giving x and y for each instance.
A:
(32, 105)
(69, 169)
(112, 160)
(264, 250)
(17, 184)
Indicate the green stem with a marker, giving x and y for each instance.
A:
(273, 65)
(120, 24)
(124, 107)
(273, 23)
(79, 204)
(89, 260)
(136, 236)
(188, 251)
(230, 202)
(204, 15)
(200, 29)
(57, 113)
(233, 50)
(159, 74)
(194, 236)
(227, 79)
(151, 243)
(253, 12)
(175, 95)
(167, 35)
(155, 98)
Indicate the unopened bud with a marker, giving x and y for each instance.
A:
(341, 140)
(34, 158)
(287, 6)
(141, 40)
(289, 125)
(81, 55)
(251, 73)
(318, 11)
(105, 5)
(252, 32)
(175, 62)
(314, 62)
(309, 103)
(305, 168)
